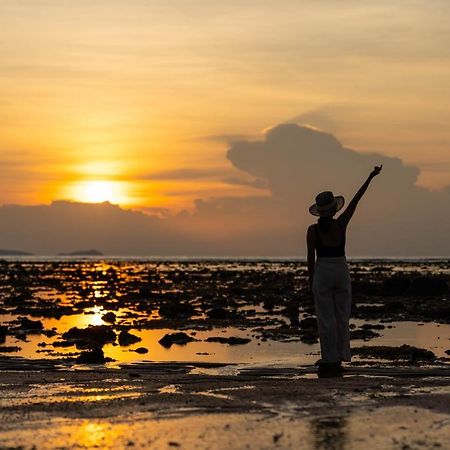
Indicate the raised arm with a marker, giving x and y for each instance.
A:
(345, 217)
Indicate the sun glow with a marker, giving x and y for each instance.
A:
(99, 191)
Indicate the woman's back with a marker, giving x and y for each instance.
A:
(330, 239)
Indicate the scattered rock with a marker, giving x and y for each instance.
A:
(175, 338)
(277, 437)
(395, 306)
(308, 322)
(134, 375)
(109, 317)
(3, 333)
(94, 356)
(309, 339)
(30, 326)
(126, 338)
(173, 309)
(230, 341)
(373, 326)
(140, 350)
(218, 314)
(9, 349)
(428, 286)
(364, 334)
(397, 285)
(63, 344)
(404, 352)
(91, 337)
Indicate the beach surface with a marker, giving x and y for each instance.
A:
(160, 405)
(145, 354)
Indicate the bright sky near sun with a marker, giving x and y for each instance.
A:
(132, 101)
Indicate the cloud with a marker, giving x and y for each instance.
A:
(396, 217)
(294, 163)
(257, 183)
(187, 173)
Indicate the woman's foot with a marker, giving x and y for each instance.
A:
(329, 369)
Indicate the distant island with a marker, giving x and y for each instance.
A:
(82, 253)
(14, 253)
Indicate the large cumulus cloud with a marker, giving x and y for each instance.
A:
(396, 217)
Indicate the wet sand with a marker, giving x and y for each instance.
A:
(177, 405)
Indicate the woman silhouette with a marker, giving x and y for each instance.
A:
(329, 278)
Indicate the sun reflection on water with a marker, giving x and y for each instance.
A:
(96, 314)
(92, 434)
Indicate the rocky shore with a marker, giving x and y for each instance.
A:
(69, 396)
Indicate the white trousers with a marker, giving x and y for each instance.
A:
(332, 298)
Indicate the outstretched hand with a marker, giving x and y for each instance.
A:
(376, 170)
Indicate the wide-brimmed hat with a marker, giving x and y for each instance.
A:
(326, 204)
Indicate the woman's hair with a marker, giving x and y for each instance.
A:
(325, 223)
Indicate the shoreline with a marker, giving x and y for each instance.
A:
(196, 405)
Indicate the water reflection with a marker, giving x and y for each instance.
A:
(329, 433)
(261, 300)
(93, 434)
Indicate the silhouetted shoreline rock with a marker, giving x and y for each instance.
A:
(90, 252)
(4, 252)
(126, 339)
(230, 340)
(403, 352)
(90, 337)
(175, 338)
(264, 300)
(94, 356)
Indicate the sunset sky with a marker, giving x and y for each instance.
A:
(135, 101)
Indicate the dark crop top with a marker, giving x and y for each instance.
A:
(324, 251)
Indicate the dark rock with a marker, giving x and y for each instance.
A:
(94, 356)
(175, 338)
(109, 317)
(49, 333)
(364, 334)
(140, 350)
(9, 349)
(308, 322)
(230, 341)
(405, 352)
(173, 309)
(309, 338)
(89, 252)
(30, 325)
(395, 306)
(269, 304)
(3, 333)
(62, 344)
(396, 285)
(360, 287)
(428, 286)
(371, 326)
(126, 338)
(217, 314)
(93, 336)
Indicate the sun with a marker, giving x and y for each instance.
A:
(98, 191)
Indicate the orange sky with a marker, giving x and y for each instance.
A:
(132, 101)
